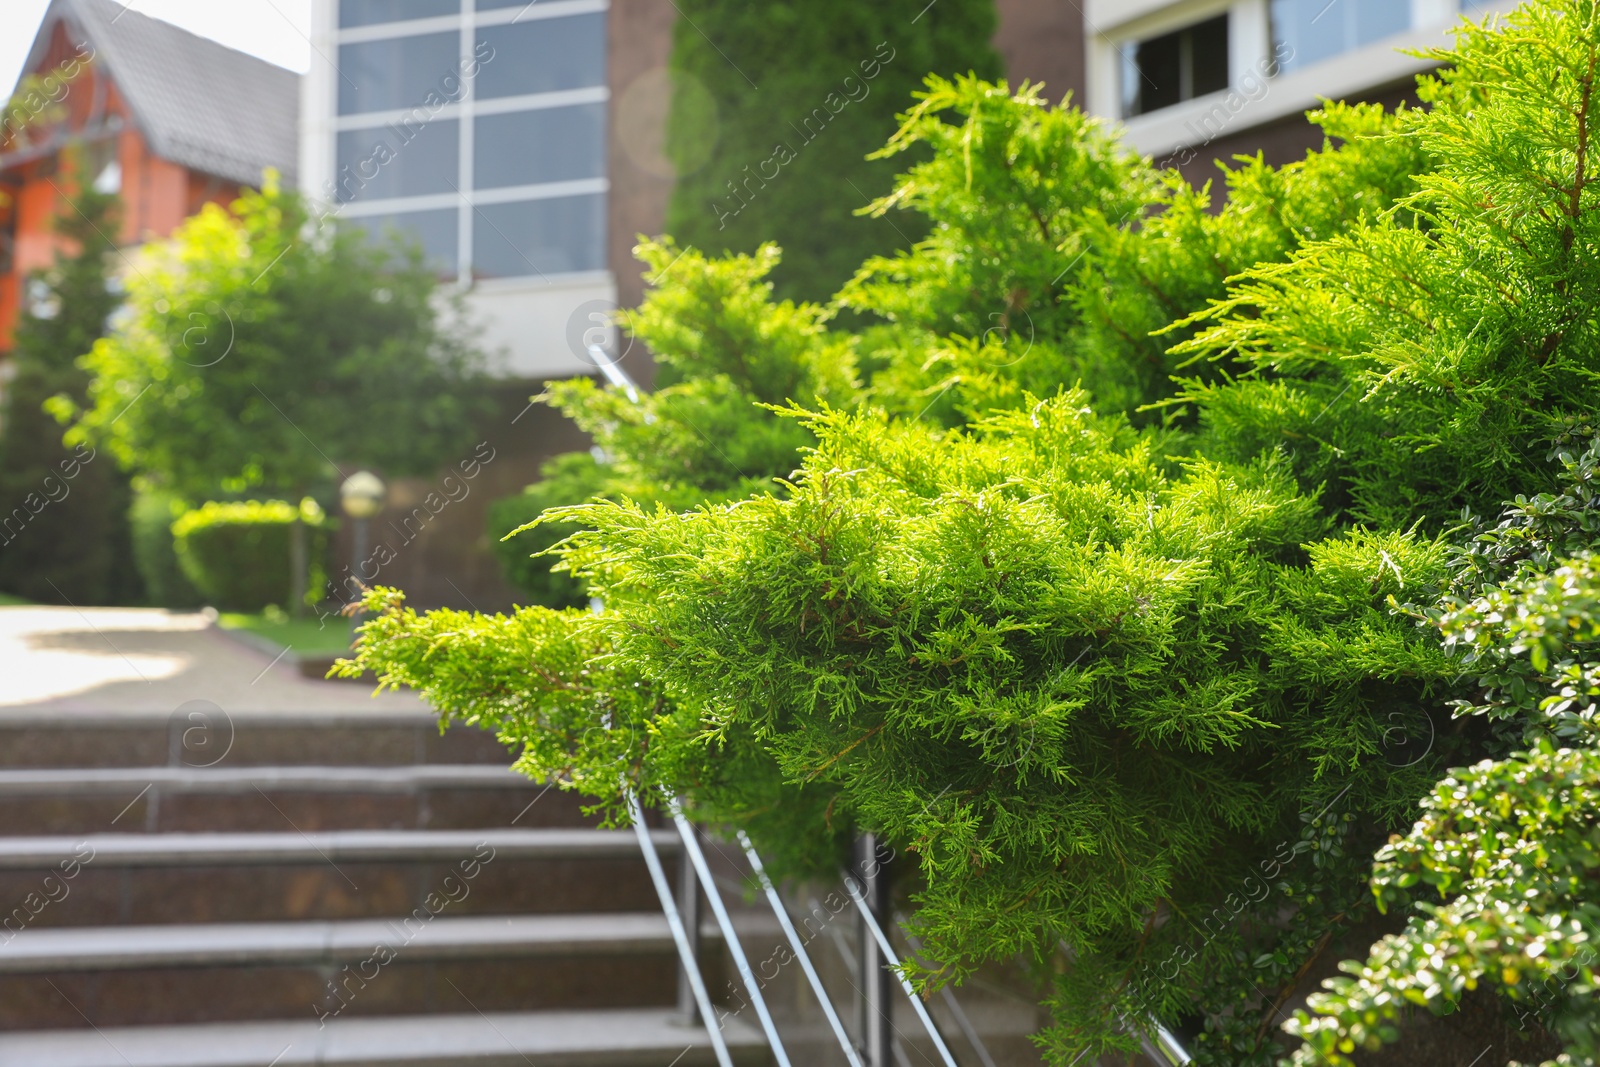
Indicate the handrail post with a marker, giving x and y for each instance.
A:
(875, 1024)
(689, 911)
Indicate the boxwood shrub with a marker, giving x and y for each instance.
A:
(237, 553)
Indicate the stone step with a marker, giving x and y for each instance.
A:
(416, 937)
(140, 879)
(629, 1038)
(202, 735)
(401, 987)
(353, 846)
(119, 781)
(65, 800)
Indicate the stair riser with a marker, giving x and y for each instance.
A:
(209, 738)
(100, 896)
(284, 810)
(369, 987)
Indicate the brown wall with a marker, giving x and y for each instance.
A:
(1284, 141)
(641, 176)
(443, 557)
(1042, 41)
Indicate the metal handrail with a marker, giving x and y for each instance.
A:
(800, 953)
(958, 1013)
(613, 371)
(1162, 1046)
(730, 938)
(691, 966)
(893, 961)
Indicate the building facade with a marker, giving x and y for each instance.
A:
(1195, 81)
(520, 143)
(478, 128)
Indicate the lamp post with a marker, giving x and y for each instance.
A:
(361, 496)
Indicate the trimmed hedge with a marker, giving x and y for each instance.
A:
(237, 554)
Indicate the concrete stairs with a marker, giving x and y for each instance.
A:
(200, 891)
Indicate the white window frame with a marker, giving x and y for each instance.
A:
(323, 123)
(1113, 25)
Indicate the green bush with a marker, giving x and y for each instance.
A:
(154, 554)
(1136, 699)
(237, 553)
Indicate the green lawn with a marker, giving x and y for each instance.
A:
(9, 601)
(303, 636)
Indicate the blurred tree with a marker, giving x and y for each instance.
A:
(63, 510)
(775, 108)
(257, 354)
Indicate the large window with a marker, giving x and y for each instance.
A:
(555, 236)
(397, 161)
(553, 145)
(1160, 71)
(1308, 31)
(435, 232)
(478, 131)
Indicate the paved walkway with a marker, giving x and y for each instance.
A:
(146, 659)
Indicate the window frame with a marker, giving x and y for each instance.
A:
(1131, 74)
(465, 198)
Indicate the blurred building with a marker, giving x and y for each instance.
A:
(168, 119)
(521, 144)
(1194, 81)
(479, 130)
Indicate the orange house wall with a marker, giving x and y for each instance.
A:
(157, 194)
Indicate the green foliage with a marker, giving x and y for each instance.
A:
(1512, 848)
(1520, 606)
(1055, 254)
(1079, 686)
(1412, 360)
(1140, 697)
(236, 553)
(774, 108)
(255, 355)
(1509, 847)
(724, 346)
(151, 517)
(64, 534)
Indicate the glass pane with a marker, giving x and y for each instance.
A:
(369, 12)
(1314, 30)
(434, 230)
(542, 55)
(490, 5)
(1376, 19)
(554, 236)
(401, 159)
(1161, 71)
(552, 145)
(379, 75)
(1208, 47)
